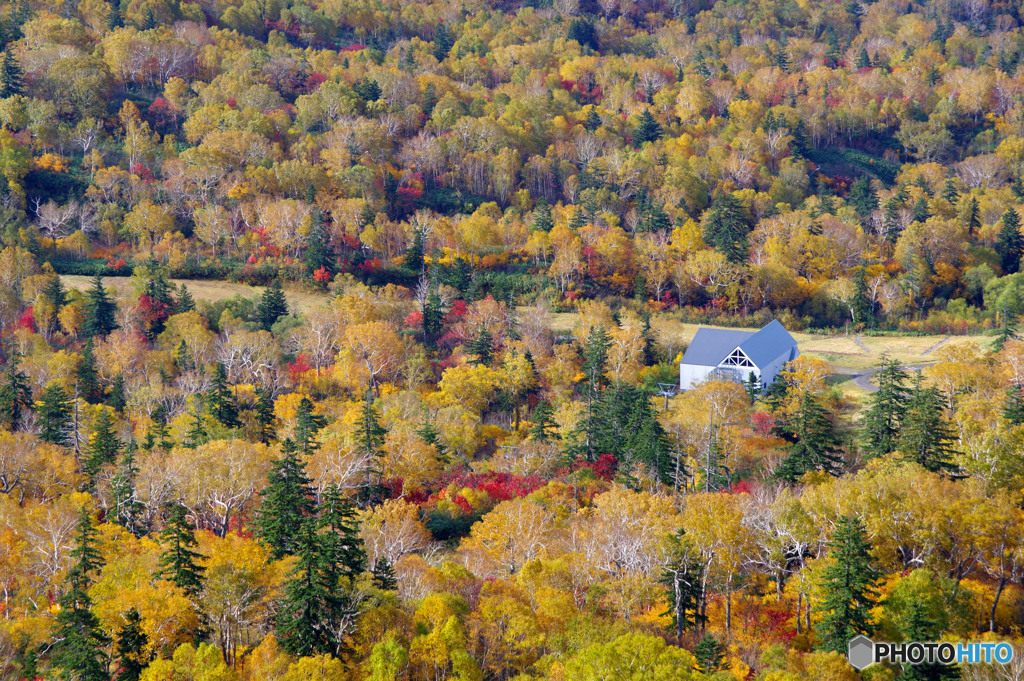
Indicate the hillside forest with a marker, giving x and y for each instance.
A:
(427, 473)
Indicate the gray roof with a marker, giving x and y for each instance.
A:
(710, 346)
(767, 344)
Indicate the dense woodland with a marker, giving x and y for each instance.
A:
(417, 479)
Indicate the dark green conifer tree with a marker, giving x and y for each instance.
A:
(310, 600)
(99, 311)
(272, 306)
(429, 434)
(543, 422)
(1013, 405)
(117, 399)
(88, 378)
(132, 641)
(920, 212)
(103, 448)
(887, 407)
(1010, 242)
(443, 41)
(384, 575)
(15, 394)
(287, 501)
(648, 129)
(54, 416)
(11, 76)
(370, 436)
(433, 318)
(307, 425)
(817, 446)
(179, 561)
(319, 253)
(925, 436)
(726, 227)
(950, 192)
(343, 551)
(849, 583)
(481, 345)
(863, 60)
(184, 301)
(710, 655)
(863, 312)
(79, 642)
(414, 261)
(220, 400)
(862, 197)
(542, 220)
(263, 415)
(593, 121)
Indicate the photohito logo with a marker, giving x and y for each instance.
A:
(863, 652)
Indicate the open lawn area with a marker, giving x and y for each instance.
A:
(207, 290)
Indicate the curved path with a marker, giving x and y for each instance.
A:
(862, 379)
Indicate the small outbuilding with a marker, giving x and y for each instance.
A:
(732, 354)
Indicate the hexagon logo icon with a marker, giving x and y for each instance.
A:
(861, 652)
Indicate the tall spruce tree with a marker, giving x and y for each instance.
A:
(817, 446)
(118, 399)
(310, 600)
(54, 412)
(432, 436)
(11, 76)
(542, 219)
(648, 129)
(543, 422)
(179, 561)
(15, 394)
(1013, 405)
(849, 584)
(710, 655)
(132, 643)
(319, 253)
(726, 227)
(926, 437)
(88, 378)
(369, 443)
(481, 345)
(1010, 242)
(287, 501)
(863, 312)
(343, 551)
(263, 415)
(880, 427)
(103, 446)
(220, 400)
(307, 425)
(272, 305)
(384, 575)
(79, 642)
(99, 311)
(443, 41)
(184, 302)
(862, 197)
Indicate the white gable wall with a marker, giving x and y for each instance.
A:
(692, 374)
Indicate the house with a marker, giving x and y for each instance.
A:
(733, 354)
